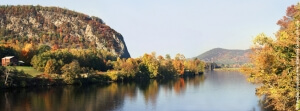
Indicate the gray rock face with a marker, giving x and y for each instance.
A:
(39, 21)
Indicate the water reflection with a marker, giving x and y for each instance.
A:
(88, 98)
(214, 91)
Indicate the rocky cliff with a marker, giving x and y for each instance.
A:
(59, 27)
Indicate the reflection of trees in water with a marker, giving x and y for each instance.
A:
(150, 90)
(181, 83)
(179, 86)
(67, 98)
(90, 98)
(196, 81)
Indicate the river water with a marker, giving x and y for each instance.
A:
(213, 91)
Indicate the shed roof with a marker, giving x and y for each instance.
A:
(8, 57)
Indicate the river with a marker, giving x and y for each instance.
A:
(213, 91)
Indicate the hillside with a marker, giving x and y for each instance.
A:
(230, 58)
(58, 28)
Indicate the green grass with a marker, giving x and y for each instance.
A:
(29, 70)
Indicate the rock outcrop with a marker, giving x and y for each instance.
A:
(62, 27)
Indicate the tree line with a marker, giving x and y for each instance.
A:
(151, 66)
(70, 64)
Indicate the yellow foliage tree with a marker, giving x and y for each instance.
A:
(152, 64)
(273, 64)
(178, 63)
(50, 67)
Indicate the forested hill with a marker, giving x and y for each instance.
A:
(230, 58)
(59, 28)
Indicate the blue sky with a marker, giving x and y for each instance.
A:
(190, 27)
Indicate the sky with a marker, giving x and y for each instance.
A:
(189, 27)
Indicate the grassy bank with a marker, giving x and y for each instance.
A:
(29, 70)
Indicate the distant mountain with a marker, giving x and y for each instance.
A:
(59, 28)
(226, 57)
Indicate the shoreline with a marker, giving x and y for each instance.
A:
(227, 69)
(93, 79)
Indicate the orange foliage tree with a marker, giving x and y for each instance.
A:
(178, 63)
(273, 64)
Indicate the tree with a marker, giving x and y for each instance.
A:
(7, 51)
(273, 64)
(199, 65)
(130, 67)
(70, 71)
(126, 67)
(27, 53)
(55, 47)
(61, 57)
(151, 63)
(166, 69)
(50, 67)
(168, 57)
(178, 63)
(91, 59)
(143, 72)
(43, 48)
(194, 65)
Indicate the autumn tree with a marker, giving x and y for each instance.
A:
(128, 67)
(273, 63)
(166, 69)
(71, 71)
(194, 65)
(27, 53)
(50, 66)
(178, 63)
(151, 63)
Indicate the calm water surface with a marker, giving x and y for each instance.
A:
(213, 91)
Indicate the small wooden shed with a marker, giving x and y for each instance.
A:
(9, 60)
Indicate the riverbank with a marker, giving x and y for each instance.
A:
(41, 81)
(58, 80)
(227, 69)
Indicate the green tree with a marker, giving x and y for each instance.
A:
(143, 72)
(43, 48)
(71, 71)
(199, 65)
(8, 51)
(61, 57)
